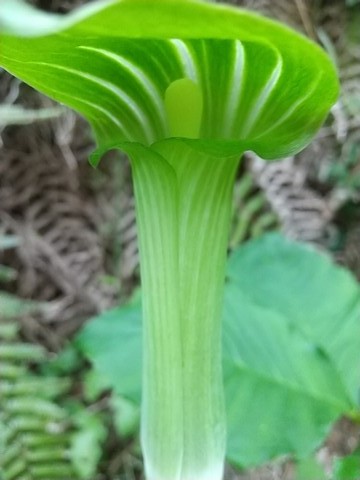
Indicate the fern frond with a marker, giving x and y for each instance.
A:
(34, 435)
(252, 215)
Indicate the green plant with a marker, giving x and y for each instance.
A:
(184, 88)
(10, 305)
(344, 172)
(347, 468)
(89, 409)
(251, 214)
(6, 273)
(34, 433)
(309, 469)
(351, 3)
(86, 443)
(343, 468)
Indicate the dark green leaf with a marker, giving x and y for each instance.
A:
(347, 468)
(127, 416)
(307, 289)
(309, 469)
(113, 343)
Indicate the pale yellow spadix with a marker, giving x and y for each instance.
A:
(184, 105)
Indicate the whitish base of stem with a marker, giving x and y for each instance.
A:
(214, 472)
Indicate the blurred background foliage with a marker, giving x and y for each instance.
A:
(69, 381)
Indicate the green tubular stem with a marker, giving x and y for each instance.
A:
(183, 200)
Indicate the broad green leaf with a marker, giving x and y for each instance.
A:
(127, 416)
(94, 385)
(347, 468)
(66, 363)
(291, 337)
(309, 469)
(112, 342)
(264, 87)
(283, 386)
(282, 391)
(285, 270)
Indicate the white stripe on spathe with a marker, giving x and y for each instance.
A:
(123, 96)
(186, 59)
(234, 98)
(147, 84)
(293, 107)
(81, 100)
(264, 94)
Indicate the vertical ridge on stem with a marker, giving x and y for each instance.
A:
(162, 415)
(183, 207)
(204, 185)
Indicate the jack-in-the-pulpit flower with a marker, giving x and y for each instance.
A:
(184, 88)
